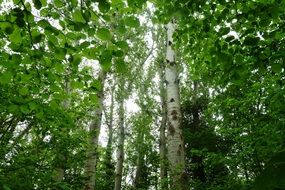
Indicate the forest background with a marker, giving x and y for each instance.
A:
(183, 94)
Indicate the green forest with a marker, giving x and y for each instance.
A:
(142, 94)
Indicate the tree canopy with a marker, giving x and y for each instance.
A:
(137, 94)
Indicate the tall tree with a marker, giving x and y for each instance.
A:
(121, 138)
(176, 154)
(94, 131)
(108, 164)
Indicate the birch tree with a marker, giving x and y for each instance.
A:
(175, 142)
(121, 134)
(94, 131)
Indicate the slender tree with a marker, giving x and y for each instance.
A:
(176, 150)
(108, 165)
(94, 130)
(162, 129)
(121, 133)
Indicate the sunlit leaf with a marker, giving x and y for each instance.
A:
(16, 36)
(104, 34)
(104, 6)
(77, 16)
(132, 21)
(24, 91)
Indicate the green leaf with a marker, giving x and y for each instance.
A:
(93, 98)
(121, 28)
(77, 16)
(25, 109)
(229, 38)
(38, 4)
(86, 15)
(60, 53)
(6, 77)
(277, 68)
(16, 36)
(77, 84)
(24, 91)
(123, 45)
(6, 187)
(76, 61)
(106, 60)
(239, 58)
(20, 22)
(13, 108)
(7, 27)
(251, 40)
(132, 22)
(96, 85)
(55, 15)
(44, 2)
(59, 67)
(225, 31)
(26, 77)
(118, 53)
(40, 115)
(36, 36)
(58, 3)
(120, 66)
(32, 105)
(16, 1)
(104, 34)
(104, 6)
(43, 23)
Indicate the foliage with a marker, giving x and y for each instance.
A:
(231, 57)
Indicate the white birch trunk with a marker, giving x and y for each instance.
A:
(162, 137)
(176, 152)
(94, 131)
(120, 151)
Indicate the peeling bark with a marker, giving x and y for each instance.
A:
(176, 152)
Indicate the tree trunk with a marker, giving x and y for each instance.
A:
(176, 152)
(120, 151)
(94, 130)
(162, 138)
(139, 169)
(109, 166)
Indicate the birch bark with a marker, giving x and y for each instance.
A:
(94, 131)
(162, 129)
(176, 152)
(120, 151)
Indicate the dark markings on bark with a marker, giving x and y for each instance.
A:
(177, 80)
(174, 112)
(172, 100)
(171, 130)
(179, 152)
(172, 63)
(169, 43)
(184, 176)
(167, 61)
(166, 82)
